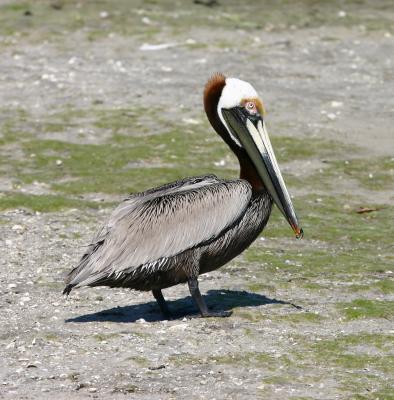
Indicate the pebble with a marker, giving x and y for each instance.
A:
(201, 61)
(49, 77)
(190, 121)
(331, 116)
(178, 327)
(220, 163)
(155, 47)
(146, 21)
(336, 104)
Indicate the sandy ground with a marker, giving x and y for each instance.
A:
(290, 335)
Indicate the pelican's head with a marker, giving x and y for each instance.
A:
(236, 112)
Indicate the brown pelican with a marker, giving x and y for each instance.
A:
(173, 233)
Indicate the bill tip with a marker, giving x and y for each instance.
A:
(299, 233)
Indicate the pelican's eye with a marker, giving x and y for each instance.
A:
(251, 107)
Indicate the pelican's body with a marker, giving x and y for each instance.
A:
(174, 233)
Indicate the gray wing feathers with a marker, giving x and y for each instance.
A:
(162, 223)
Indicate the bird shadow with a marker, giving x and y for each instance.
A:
(216, 299)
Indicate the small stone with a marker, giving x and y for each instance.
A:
(178, 327)
(79, 386)
(154, 368)
(201, 61)
(92, 390)
(59, 162)
(331, 116)
(156, 47)
(146, 21)
(140, 321)
(220, 163)
(336, 104)
(190, 121)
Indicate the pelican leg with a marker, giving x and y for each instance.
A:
(158, 295)
(198, 299)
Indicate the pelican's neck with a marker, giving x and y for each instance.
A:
(248, 171)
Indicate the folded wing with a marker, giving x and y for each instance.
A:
(161, 223)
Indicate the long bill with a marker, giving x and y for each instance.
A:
(252, 134)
